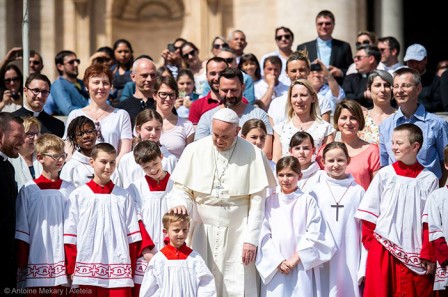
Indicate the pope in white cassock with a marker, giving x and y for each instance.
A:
(221, 180)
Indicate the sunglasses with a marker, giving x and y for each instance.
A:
(229, 60)
(35, 62)
(324, 23)
(192, 53)
(218, 46)
(279, 37)
(72, 62)
(10, 80)
(365, 42)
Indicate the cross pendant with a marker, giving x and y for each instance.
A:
(337, 206)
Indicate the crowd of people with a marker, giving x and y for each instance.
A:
(307, 172)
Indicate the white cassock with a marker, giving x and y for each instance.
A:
(223, 192)
(150, 206)
(341, 274)
(310, 177)
(77, 170)
(169, 275)
(129, 171)
(40, 223)
(395, 204)
(293, 223)
(437, 210)
(101, 226)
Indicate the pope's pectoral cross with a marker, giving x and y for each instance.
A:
(337, 206)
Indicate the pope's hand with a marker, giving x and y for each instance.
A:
(249, 253)
(179, 209)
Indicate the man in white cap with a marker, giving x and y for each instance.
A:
(417, 58)
(220, 180)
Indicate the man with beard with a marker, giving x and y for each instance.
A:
(11, 139)
(231, 87)
(36, 90)
(144, 75)
(213, 67)
(67, 92)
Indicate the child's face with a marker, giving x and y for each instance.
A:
(303, 152)
(335, 163)
(103, 165)
(288, 180)
(402, 148)
(52, 160)
(257, 137)
(86, 137)
(154, 168)
(151, 130)
(177, 233)
(347, 123)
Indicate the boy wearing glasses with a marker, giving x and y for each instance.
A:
(40, 220)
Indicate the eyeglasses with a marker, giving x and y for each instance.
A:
(36, 92)
(56, 157)
(383, 49)
(325, 23)
(10, 80)
(31, 135)
(85, 132)
(192, 53)
(72, 62)
(164, 95)
(99, 137)
(365, 42)
(35, 62)
(403, 86)
(359, 57)
(218, 46)
(286, 36)
(229, 60)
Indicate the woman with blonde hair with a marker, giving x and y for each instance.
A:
(303, 114)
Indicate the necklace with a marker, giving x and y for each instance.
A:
(219, 176)
(337, 205)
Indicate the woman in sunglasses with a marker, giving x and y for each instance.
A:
(190, 60)
(217, 44)
(11, 88)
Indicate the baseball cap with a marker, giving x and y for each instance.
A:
(415, 52)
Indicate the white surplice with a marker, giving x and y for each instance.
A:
(437, 210)
(395, 204)
(150, 207)
(167, 277)
(226, 204)
(39, 223)
(341, 274)
(293, 223)
(77, 170)
(310, 177)
(101, 226)
(22, 172)
(129, 171)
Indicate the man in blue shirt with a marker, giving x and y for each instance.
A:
(406, 88)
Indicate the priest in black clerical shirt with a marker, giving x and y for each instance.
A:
(37, 89)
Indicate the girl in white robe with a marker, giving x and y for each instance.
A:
(302, 147)
(148, 126)
(294, 239)
(82, 135)
(338, 197)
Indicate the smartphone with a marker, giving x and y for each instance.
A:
(19, 53)
(316, 67)
(171, 47)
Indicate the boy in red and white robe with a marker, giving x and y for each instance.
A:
(400, 257)
(39, 221)
(101, 233)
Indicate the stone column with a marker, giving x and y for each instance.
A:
(391, 23)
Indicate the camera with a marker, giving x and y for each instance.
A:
(171, 47)
(15, 96)
(316, 67)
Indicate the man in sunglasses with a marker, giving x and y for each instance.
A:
(67, 92)
(334, 53)
(37, 90)
(284, 39)
(16, 53)
(36, 63)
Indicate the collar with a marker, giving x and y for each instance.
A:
(3, 157)
(172, 253)
(157, 185)
(35, 113)
(46, 184)
(329, 41)
(408, 170)
(80, 157)
(419, 114)
(97, 189)
(209, 98)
